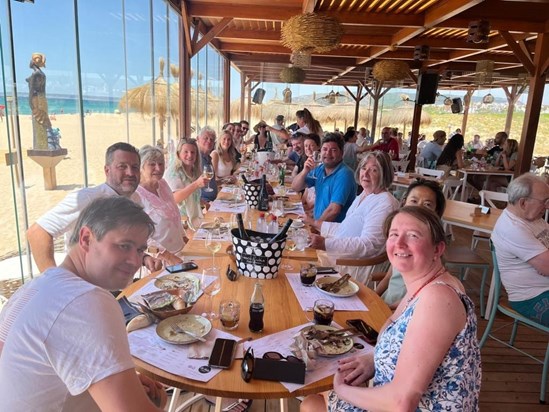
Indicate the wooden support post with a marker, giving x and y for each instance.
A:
(415, 136)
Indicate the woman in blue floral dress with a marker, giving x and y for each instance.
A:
(427, 356)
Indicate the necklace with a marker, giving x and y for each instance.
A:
(436, 275)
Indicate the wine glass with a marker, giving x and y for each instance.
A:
(213, 243)
(317, 159)
(290, 245)
(207, 172)
(210, 289)
(277, 208)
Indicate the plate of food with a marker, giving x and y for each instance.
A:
(349, 288)
(173, 330)
(177, 281)
(327, 341)
(291, 206)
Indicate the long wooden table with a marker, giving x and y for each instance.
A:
(490, 171)
(282, 311)
(462, 214)
(198, 247)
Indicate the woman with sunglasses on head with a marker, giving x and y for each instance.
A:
(262, 139)
(424, 193)
(185, 179)
(225, 157)
(427, 356)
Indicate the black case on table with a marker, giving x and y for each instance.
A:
(279, 370)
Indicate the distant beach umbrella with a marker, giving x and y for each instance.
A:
(154, 98)
(403, 116)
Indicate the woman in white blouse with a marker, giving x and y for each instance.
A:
(157, 199)
(224, 157)
(360, 235)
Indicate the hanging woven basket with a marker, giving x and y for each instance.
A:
(448, 102)
(488, 99)
(311, 32)
(292, 75)
(390, 70)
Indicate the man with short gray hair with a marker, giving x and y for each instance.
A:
(63, 341)
(521, 239)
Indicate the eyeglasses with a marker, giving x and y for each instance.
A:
(544, 202)
(278, 356)
(245, 129)
(247, 366)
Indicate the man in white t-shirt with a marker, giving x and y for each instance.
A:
(63, 341)
(521, 239)
(122, 172)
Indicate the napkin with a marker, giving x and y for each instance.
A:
(200, 350)
(305, 349)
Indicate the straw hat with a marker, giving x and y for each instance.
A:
(257, 126)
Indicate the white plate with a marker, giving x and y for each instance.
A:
(177, 281)
(298, 224)
(332, 349)
(193, 323)
(350, 289)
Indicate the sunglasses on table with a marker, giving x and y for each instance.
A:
(247, 366)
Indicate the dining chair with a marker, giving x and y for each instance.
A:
(487, 198)
(518, 319)
(400, 165)
(423, 171)
(378, 263)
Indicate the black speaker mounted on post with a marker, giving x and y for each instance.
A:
(427, 85)
(457, 105)
(258, 96)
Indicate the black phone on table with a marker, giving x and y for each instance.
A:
(182, 267)
(222, 353)
(368, 333)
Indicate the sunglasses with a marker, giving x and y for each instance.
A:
(278, 356)
(247, 366)
(232, 275)
(245, 128)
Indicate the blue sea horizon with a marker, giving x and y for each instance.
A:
(62, 104)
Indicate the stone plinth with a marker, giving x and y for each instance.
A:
(48, 159)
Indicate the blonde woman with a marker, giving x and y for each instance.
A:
(224, 157)
(185, 179)
(506, 160)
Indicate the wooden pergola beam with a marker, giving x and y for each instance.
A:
(518, 51)
(211, 34)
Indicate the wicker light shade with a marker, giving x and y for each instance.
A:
(311, 32)
(488, 99)
(292, 75)
(301, 58)
(484, 71)
(390, 70)
(447, 101)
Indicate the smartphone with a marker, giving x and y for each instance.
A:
(182, 267)
(222, 353)
(368, 333)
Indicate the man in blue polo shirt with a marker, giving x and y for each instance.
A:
(334, 182)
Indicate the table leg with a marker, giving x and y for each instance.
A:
(283, 404)
(218, 403)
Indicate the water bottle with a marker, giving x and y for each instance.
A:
(272, 225)
(257, 309)
(261, 224)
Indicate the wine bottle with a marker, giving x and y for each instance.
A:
(263, 203)
(282, 234)
(257, 309)
(244, 178)
(241, 230)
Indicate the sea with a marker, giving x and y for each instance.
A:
(59, 104)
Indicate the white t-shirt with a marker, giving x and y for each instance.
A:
(516, 242)
(62, 218)
(61, 334)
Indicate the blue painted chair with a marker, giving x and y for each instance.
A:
(518, 318)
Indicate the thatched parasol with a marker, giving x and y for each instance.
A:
(403, 116)
(154, 98)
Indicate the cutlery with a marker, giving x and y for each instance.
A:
(177, 329)
(337, 285)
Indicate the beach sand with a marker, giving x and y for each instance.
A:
(102, 130)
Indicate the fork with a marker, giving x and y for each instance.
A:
(177, 329)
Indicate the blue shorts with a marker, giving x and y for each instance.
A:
(536, 308)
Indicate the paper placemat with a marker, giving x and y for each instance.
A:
(225, 206)
(202, 234)
(147, 346)
(280, 342)
(306, 296)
